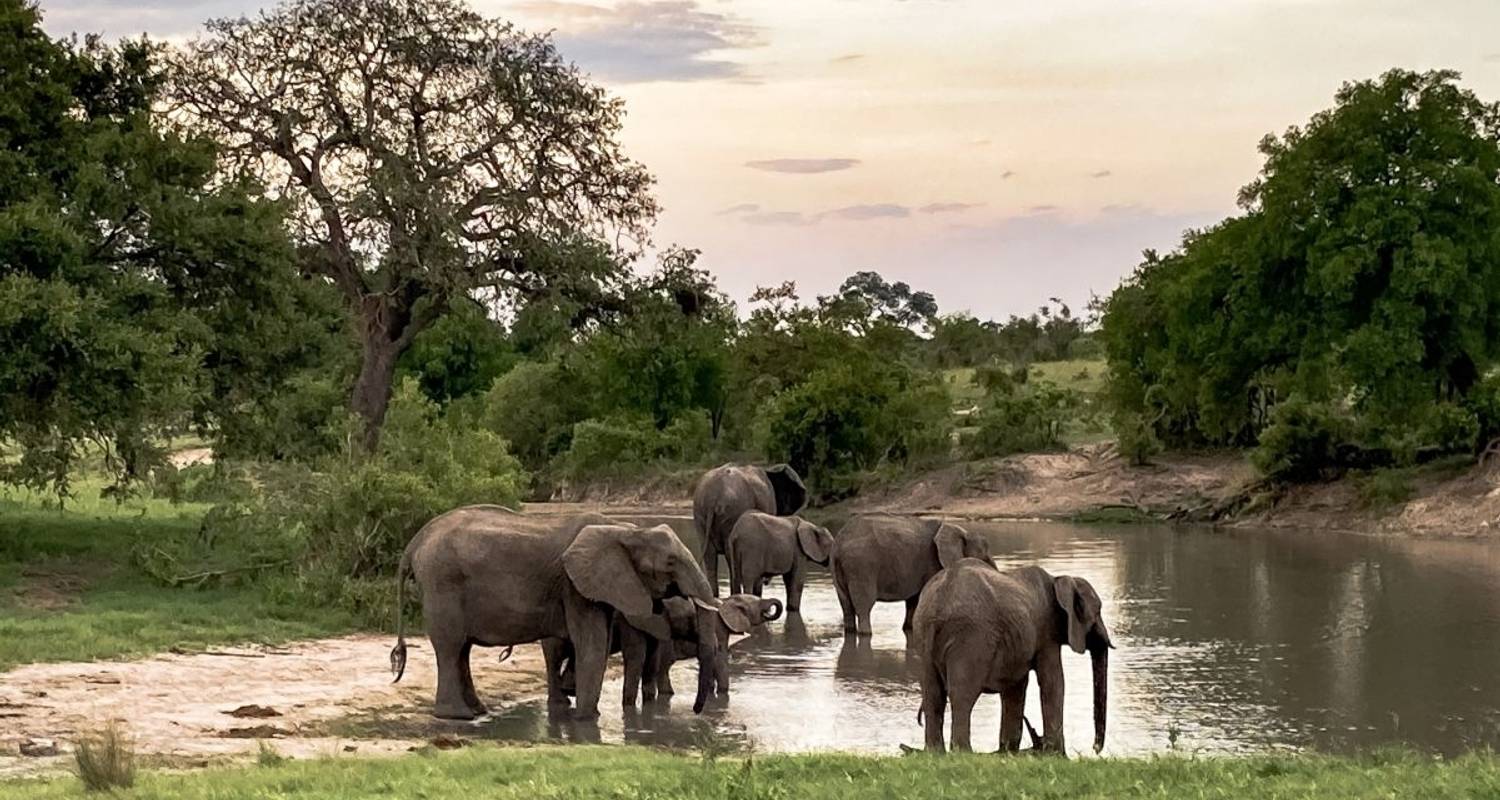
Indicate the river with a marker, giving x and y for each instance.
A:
(1228, 642)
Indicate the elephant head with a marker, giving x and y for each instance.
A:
(791, 493)
(814, 541)
(954, 543)
(630, 568)
(1082, 615)
(701, 629)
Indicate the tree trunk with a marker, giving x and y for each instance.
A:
(377, 373)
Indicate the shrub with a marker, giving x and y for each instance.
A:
(602, 448)
(1383, 488)
(1026, 420)
(105, 760)
(1136, 438)
(1303, 438)
(299, 422)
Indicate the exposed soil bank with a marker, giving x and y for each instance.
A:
(181, 709)
(1094, 482)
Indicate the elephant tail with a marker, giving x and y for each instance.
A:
(398, 653)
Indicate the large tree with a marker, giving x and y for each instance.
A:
(428, 152)
(131, 280)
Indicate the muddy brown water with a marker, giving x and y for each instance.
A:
(1229, 642)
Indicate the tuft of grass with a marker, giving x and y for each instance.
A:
(105, 760)
(267, 755)
(597, 772)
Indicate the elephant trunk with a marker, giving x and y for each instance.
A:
(691, 581)
(770, 609)
(708, 651)
(1099, 652)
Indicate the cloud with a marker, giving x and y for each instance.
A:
(638, 42)
(947, 208)
(1043, 209)
(1491, 58)
(1103, 173)
(1007, 175)
(845, 59)
(869, 211)
(742, 208)
(171, 19)
(791, 218)
(803, 166)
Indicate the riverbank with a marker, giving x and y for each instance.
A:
(613, 772)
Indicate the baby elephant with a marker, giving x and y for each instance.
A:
(982, 631)
(762, 546)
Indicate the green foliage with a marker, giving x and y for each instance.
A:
(613, 772)
(624, 446)
(1135, 437)
(1360, 286)
(1051, 334)
(1383, 488)
(1022, 419)
(106, 760)
(461, 354)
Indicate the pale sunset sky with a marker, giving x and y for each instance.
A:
(993, 153)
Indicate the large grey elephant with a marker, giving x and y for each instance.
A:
(726, 492)
(884, 558)
(762, 546)
(490, 576)
(651, 645)
(980, 630)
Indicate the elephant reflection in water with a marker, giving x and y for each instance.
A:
(859, 661)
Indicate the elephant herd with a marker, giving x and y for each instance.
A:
(590, 586)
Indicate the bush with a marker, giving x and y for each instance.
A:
(848, 418)
(534, 407)
(105, 760)
(626, 445)
(1383, 488)
(299, 422)
(1025, 420)
(1303, 438)
(1136, 438)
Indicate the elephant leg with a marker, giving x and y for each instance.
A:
(721, 674)
(793, 582)
(963, 693)
(911, 612)
(1012, 708)
(588, 629)
(1049, 680)
(934, 706)
(471, 696)
(553, 653)
(633, 653)
(650, 668)
(450, 646)
(711, 561)
(864, 602)
(845, 603)
(664, 671)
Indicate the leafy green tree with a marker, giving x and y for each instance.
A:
(1361, 285)
(460, 355)
(427, 153)
(137, 292)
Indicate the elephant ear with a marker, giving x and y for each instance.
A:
(791, 492)
(815, 542)
(601, 569)
(738, 615)
(950, 541)
(1081, 608)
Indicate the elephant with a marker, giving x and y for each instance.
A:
(651, 644)
(982, 630)
(762, 546)
(490, 576)
(726, 492)
(884, 558)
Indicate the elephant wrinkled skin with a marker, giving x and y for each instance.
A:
(492, 577)
(726, 493)
(763, 546)
(651, 645)
(979, 630)
(883, 558)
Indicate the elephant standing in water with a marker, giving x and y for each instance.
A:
(883, 558)
(762, 546)
(491, 576)
(726, 493)
(650, 645)
(980, 630)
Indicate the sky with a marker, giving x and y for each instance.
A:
(993, 152)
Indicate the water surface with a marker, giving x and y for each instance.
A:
(1239, 641)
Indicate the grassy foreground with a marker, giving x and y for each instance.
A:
(627, 772)
(70, 591)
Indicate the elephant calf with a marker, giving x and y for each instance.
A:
(763, 546)
(651, 645)
(884, 558)
(493, 577)
(980, 630)
(726, 493)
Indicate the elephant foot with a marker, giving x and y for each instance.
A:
(455, 712)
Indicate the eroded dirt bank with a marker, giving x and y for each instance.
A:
(192, 710)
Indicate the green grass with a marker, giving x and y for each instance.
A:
(1085, 376)
(70, 590)
(627, 772)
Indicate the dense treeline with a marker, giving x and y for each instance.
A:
(1349, 315)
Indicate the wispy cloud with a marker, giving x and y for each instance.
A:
(947, 208)
(659, 40)
(845, 59)
(803, 166)
(869, 211)
(1007, 175)
(1103, 173)
(1043, 209)
(1492, 58)
(742, 208)
(793, 218)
